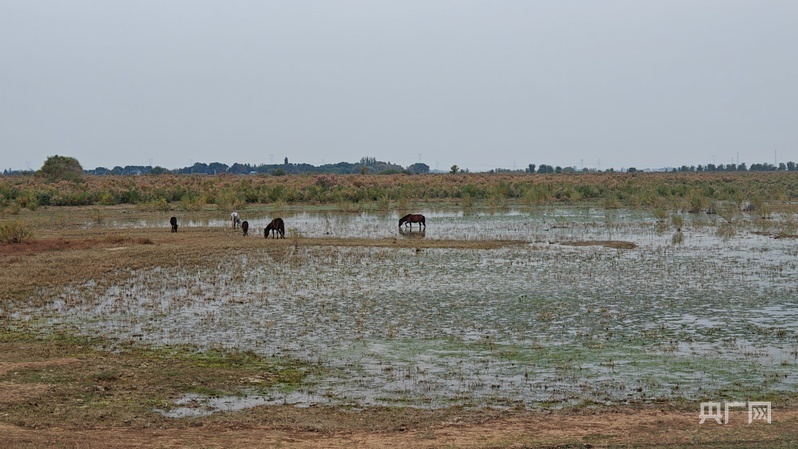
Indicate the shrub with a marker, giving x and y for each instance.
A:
(678, 222)
(14, 232)
(610, 201)
(108, 199)
(14, 208)
(189, 202)
(159, 204)
(660, 214)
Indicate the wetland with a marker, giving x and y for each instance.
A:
(516, 317)
(494, 315)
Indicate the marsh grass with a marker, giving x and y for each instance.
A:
(94, 386)
(15, 231)
(13, 208)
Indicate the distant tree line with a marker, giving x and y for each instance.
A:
(365, 165)
(544, 169)
(789, 166)
(370, 165)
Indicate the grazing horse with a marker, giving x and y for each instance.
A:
(409, 219)
(235, 219)
(245, 226)
(277, 226)
(173, 222)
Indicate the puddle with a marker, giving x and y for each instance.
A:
(196, 405)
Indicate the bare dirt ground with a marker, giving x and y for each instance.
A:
(630, 428)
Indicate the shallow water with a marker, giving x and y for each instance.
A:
(445, 223)
(519, 326)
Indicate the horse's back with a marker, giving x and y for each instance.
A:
(279, 224)
(413, 218)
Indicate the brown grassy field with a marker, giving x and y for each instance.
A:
(191, 192)
(60, 390)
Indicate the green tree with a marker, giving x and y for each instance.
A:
(455, 169)
(159, 171)
(418, 168)
(57, 168)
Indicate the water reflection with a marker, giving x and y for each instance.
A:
(411, 234)
(522, 223)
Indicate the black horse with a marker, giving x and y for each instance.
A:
(245, 226)
(277, 226)
(409, 219)
(173, 222)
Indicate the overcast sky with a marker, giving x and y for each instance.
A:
(480, 84)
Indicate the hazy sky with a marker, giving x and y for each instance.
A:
(480, 84)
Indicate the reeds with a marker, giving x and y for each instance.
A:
(691, 191)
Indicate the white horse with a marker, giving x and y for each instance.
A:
(235, 219)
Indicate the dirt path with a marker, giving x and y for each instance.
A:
(643, 428)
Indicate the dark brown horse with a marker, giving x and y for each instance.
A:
(409, 219)
(277, 226)
(173, 222)
(245, 226)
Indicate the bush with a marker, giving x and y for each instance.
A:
(14, 232)
(155, 205)
(14, 208)
(108, 199)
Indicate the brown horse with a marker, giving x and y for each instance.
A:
(277, 226)
(245, 226)
(173, 222)
(409, 219)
